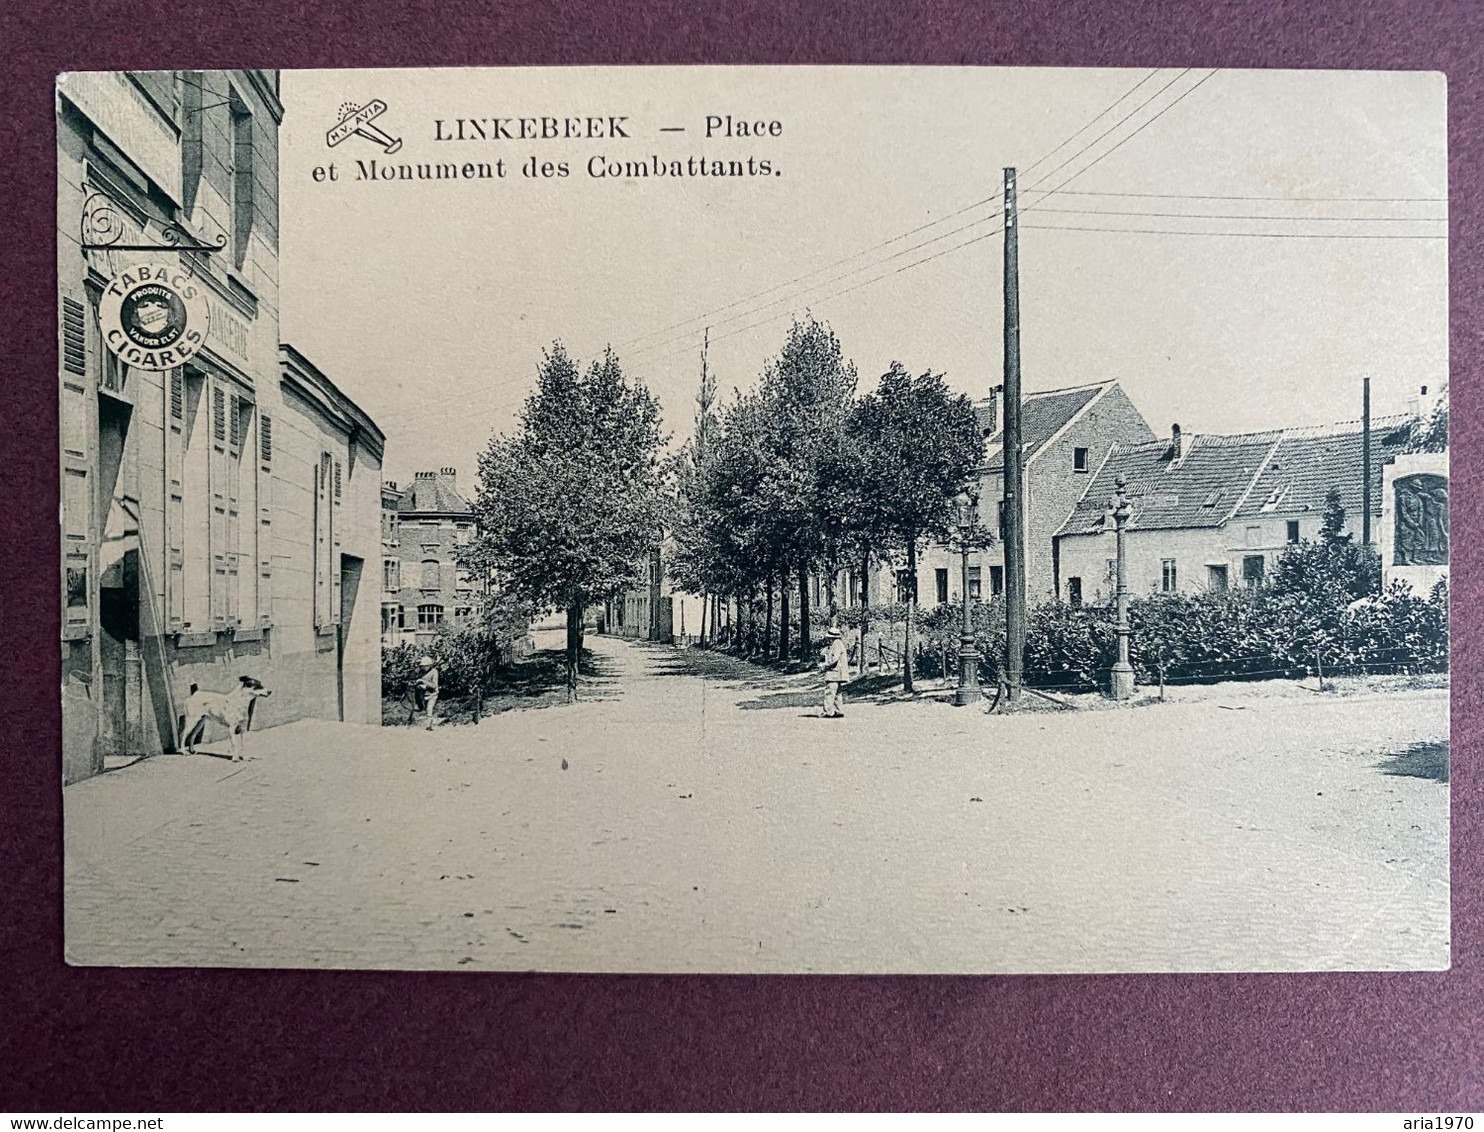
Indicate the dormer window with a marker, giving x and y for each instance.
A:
(1079, 460)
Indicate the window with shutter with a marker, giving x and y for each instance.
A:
(235, 419)
(335, 573)
(218, 414)
(265, 537)
(79, 415)
(175, 503)
(265, 435)
(74, 336)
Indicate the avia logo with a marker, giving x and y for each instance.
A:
(358, 120)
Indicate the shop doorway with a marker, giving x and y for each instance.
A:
(121, 703)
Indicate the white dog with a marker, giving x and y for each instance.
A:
(233, 710)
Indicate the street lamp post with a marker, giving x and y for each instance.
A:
(1121, 682)
(968, 656)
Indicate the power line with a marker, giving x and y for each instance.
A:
(911, 232)
(1090, 123)
(1258, 235)
(1047, 176)
(815, 271)
(1212, 196)
(844, 275)
(845, 291)
(1250, 216)
(956, 247)
(1130, 137)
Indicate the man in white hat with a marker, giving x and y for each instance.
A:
(426, 688)
(836, 665)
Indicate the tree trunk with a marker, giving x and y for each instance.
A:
(829, 590)
(768, 620)
(574, 646)
(911, 614)
(783, 625)
(804, 634)
(865, 605)
(704, 601)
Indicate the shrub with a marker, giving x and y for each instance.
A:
(399, 669)
(1270, 631)
(468, 659)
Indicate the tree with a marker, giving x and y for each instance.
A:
(1320, 579)
(1331, 530)
(916, 445)
(1430, 433)
(573, 502)
(806, 393)
(723, 537)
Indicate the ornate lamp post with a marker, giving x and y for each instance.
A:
(966, 515)
(1121, 682)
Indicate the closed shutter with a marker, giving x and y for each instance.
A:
(322, 542)
(265, 520)
(232, 548)
(335, 549)
(218, 542)
(78, 416)
(175, 502)
(74, 336)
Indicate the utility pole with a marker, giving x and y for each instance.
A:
(1365, 463)
(1014, 473)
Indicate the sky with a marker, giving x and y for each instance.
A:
(430, 302)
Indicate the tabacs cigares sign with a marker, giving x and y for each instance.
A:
(153, 316)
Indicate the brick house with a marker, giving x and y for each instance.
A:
(1065, 434)
(425, 527)
(1215, 512)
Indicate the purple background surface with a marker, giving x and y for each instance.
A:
(77, 1040)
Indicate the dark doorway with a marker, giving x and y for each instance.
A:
(120, 669)
(350, 582)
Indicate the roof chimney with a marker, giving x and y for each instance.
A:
(448, 473)
(992, 421)
(1177, 443)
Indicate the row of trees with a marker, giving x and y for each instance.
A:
(796, 478)
(801, 477)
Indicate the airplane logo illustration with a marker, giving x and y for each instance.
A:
(358, 120)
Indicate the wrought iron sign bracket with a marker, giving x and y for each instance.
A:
(103, 230)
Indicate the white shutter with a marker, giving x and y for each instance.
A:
(78, 416)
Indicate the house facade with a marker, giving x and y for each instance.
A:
(1216, 512)
(211, 509)
(1066, 434)
(647, 610)
(426, 527)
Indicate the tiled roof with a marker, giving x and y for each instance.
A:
(432, 494)
(1284, 471)
(1042, 415)
(1310, 461)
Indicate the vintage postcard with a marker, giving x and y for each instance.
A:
(699, 519)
